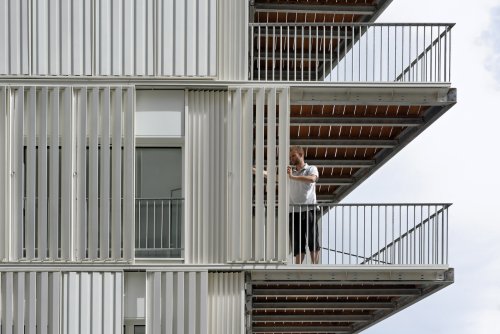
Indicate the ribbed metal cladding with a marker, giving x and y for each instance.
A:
(226, 300)
(206, 177)
(174, 38)
(14, 37)
(60, 208)
(4, 195)
(92, 302)
(176, 302)
(30, 302)
(258, 212)
(233, 39)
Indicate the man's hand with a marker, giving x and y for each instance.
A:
(289, 172)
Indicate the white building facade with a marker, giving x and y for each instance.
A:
(129, 134)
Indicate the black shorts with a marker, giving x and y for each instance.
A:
(302, 224)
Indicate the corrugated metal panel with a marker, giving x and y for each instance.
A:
(14, 37)
(62, 217)
(257, 234)
(30, 302)
(206, 184)
(4, 197)
(100, 37)
(82, 292)
(61, 37)
(233, 40)
(176, 302)
(226, 300)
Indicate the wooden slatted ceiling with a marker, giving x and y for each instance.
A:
(320, 10)
(338, 164)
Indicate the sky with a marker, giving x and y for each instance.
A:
(454, 160)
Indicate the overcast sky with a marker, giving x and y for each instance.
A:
(455, 160)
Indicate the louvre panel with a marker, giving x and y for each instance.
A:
(257, 214)
(226, 299)
(176, 302)
(83, 291)
(102, 38)
(71, 215)
(233, 40)
(206, 177)
(61, 37)
(30, 302)
(4, 196)
(14, 37)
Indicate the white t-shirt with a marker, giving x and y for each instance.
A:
(302, 192)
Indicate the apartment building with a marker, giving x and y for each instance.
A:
(130, 133)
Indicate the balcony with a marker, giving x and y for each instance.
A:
(159, 227)
(350, 52)
(376, 234)
(375, 260)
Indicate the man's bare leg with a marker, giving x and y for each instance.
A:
(315, 257)
(299, 258)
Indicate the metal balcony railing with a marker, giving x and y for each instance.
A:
(159, 227)
(350, 52)
(372, 234)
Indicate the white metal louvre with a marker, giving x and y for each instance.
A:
(226, 300)
(92, 302)
(30, 302)
(257, 221)
(206, 177)
(173, 38)
(76, 201)
(14, 37)
(176, 302)
(4, 215)
(61, 37)
(233, 40)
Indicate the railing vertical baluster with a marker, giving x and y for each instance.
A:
(338, 53)
(259, 51)
(402, 53)
(288, 53)
(295, 54)
(266, 56)
(273, 52)
(359, 55)
(415, 76)
(352, 52)
(382, 53)
(302, 55)
(161, 226)
(252, 32)
(324, 53)
(147, 222)
(281, 53)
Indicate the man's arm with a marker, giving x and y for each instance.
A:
(303, 178)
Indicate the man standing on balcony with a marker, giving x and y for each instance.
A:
(302, 218)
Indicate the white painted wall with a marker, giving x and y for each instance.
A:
(135, 295)
(159, 113)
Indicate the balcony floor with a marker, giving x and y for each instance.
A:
(323, 300)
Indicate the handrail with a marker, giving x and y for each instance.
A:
(350, 52)
(371, 233)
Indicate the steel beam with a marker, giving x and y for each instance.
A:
(311, 317)
(360, 143)
(314, 9)
(258, 292)
(335, 181)
(357, 121)
(308, 305)
(302, 329)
